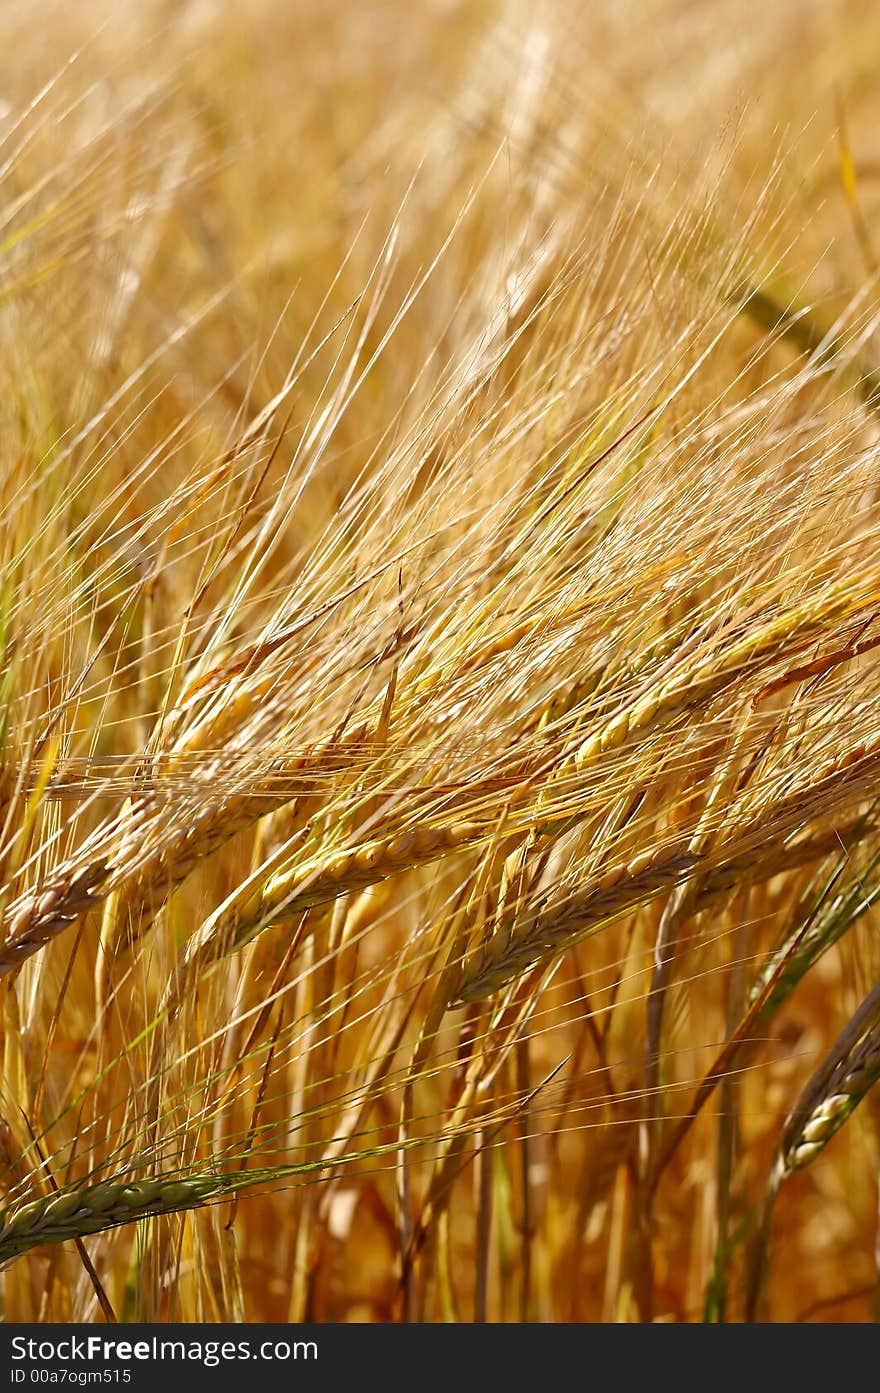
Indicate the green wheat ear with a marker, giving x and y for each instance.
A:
(91, 1209)
(94, 1208)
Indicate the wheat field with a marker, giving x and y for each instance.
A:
(440, 683)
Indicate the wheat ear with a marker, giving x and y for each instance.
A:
(557, 923)
(847, 1073)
